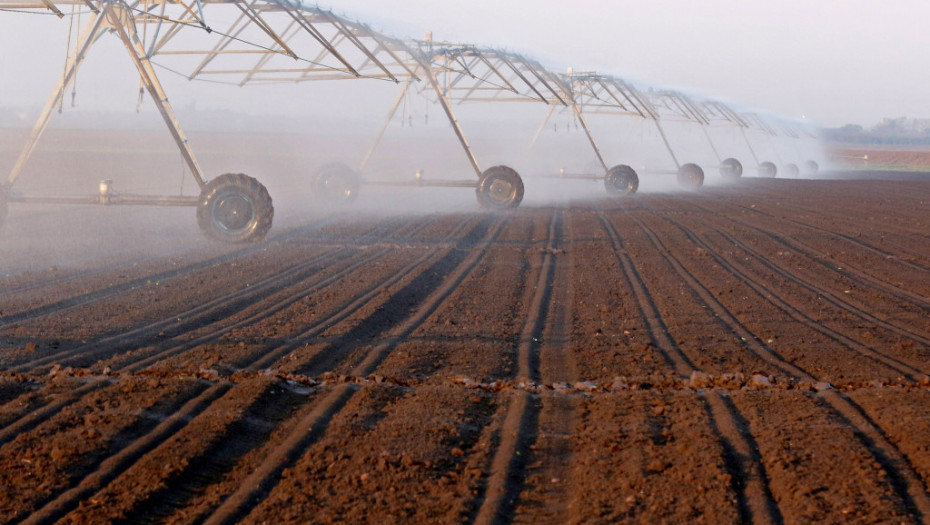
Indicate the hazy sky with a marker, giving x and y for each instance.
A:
(830, 61)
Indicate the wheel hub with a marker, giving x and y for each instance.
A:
(501, 191)
(233, 213)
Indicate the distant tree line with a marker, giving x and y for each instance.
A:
(897, 131)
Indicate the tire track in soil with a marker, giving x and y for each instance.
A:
(154, 333)
(542, 494)
(29, 420)
(545, 491)
(110, 471)
(909, 371)
(912, 264)
(900, 472)
(749, 481)
(196, 317)
(447, 273)
(386, 437)
(218, 452)
(39, 413)
(523, 413)
(890, 232)
(275, 350)
(110, 467)
(847, 269)
(795, 312)
(95, 296)
(80, 275)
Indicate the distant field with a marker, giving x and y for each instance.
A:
(872, 157)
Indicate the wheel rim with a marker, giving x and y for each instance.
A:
(731, 169)
(767, 169)
(621, 184)
(501, 192)
(233, 213)
(690, 176)
(337, 187)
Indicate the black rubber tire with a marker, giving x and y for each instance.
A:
(811, 167)
(337, 183)
(621, 180)
(731, 169)
(768, 170)
(690, 176)
(500, 187)
(235, 208)
(4, 207)
(791, 170)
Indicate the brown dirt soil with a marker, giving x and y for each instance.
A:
(882, 157)
(757, 352)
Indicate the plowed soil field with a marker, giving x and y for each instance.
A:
(757, 352)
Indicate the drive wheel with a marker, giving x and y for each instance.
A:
(768, 170)
(337, 183)
(621, 180)
(235, 208)
(731, 169)
(811, 167)
(690, 176)
(500, 187)
(792, 170)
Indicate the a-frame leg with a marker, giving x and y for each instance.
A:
(90, 33)
(121, 19)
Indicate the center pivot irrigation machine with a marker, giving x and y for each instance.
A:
(455, 74)
(270, 41)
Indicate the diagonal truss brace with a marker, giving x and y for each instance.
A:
(115, 17)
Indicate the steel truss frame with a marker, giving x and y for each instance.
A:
(272, 41)
(719, 113)
(757, 123)
(597, 94)
(775, 129)
(460, 73)
(233, 41)
(594, 93)
(284, 40)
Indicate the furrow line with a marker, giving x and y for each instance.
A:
(68, 500)
(545, 492)
(273, 352)
(827, 295)
(521, 420)
(134, 284)
(413, 268)
(39, 414)
(262, 480)
(194, 318)
(648, 310)
(914, 265)
(755, 501)
(848, 269)
(43, 412)
(905, 481)
(796, 313)
(117, 463)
